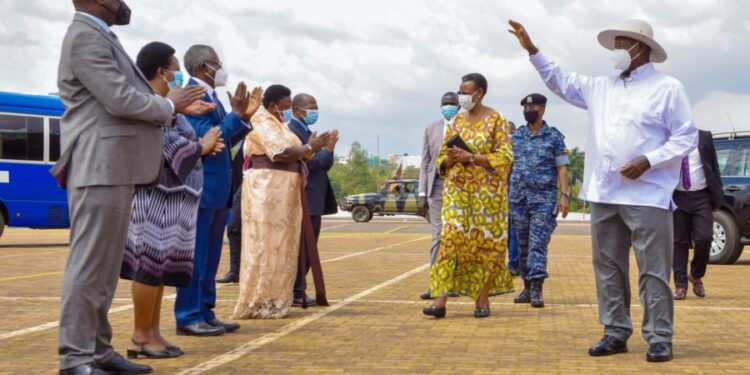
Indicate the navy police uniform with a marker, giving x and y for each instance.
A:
(533, 192)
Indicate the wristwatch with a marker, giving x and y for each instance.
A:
(565, 193)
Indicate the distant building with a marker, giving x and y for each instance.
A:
(405, 159)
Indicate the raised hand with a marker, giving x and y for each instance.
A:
(523, 37)
(332, 140)
(256, 97)
(182, 98)
(240, 100)
(318, 142)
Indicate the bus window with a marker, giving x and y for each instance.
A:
(21, 138)
(54, 139)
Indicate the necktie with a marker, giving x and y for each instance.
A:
(686, 173)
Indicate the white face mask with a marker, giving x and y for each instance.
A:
(466, 102)
(220, 76)
(622, 58)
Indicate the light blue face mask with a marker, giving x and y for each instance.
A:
(286, 115)
(178, 79)
(311, 116)
(449, 111)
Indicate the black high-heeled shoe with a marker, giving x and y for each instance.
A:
(481, 312)
(432, 310)
(176, 350)
(133, 354)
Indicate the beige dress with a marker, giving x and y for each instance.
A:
(271, 225)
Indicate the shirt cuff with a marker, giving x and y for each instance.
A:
(171, 104)
(247, 124)
(538, 60)
(654, 158)
(422, 194)
(562, 160)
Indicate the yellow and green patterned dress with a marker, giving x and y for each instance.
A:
(474, 238)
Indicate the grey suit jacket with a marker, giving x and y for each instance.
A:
(111, 129)
(433, 140)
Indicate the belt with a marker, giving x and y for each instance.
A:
(308, 247)
(704, 190)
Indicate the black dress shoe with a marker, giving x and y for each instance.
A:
(426, 295)
(229, 327)
(87, 369)
(660, 352)
(311, 301)
(432, 310)
(143, 351)
(229, 278)
(453, 294)
(608, 345)
(200, 329)
(481, 312)
(121, 366)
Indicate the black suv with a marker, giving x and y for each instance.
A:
(732, 221)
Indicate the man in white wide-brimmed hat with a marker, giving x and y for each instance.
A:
(641, 126)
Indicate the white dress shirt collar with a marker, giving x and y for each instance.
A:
(209, 90)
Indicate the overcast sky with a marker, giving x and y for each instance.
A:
(380, 67)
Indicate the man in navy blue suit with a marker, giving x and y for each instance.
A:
(320, 196)
(194, 304)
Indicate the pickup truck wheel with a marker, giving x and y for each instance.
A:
(726, 247)
(361, 214)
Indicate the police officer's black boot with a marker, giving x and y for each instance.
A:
(537, 299)
(524, 297)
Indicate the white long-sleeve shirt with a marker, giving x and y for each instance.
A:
(647, 114)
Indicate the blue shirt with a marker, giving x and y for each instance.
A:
(98, 21)
(535, 161)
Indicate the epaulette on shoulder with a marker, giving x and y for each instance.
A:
(554, 129)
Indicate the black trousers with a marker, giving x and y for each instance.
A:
(300, 283)
(693, 221)
(234, 233)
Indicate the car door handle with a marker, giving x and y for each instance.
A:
(733, 188)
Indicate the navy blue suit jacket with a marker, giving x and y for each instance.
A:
(217, 169)
(320, 195)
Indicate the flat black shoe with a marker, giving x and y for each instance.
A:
(176, 350)
(426, 295)
(453, 294)
(660, 352)
(432, 310)
(229, 278)
(121, 366)
(142, 351)
(229, 327)
(200, 329)
(87, 369)
(481, 312)
(608, 345)
(311, 301)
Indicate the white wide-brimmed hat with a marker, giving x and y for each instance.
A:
(638, 30)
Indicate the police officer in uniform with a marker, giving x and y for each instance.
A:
(540, 161)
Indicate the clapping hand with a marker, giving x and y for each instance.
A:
(523, 37)
(212, 143)
(332, 140)
(199, 107)
(318, 142)
(240, 101)
(256, 97)
(184, 99)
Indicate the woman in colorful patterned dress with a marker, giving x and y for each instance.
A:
(475, 204)
(161, 233)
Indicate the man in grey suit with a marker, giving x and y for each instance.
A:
(430, 182)
(111, 141)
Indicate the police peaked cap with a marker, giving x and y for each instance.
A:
(534, 99)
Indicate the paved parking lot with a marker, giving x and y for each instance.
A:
(374, 274)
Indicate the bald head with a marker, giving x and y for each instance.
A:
(449, 98)
(301, 103)
(302, 100)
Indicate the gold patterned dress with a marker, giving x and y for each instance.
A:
(271, 225)
(474, 238)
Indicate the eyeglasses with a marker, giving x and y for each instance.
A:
(217, 63)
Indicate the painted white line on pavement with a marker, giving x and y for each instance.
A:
(293, 326)
(28, 254)
(374, 250)
(50, 325)
(334, 227)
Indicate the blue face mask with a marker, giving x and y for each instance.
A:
(449, 111)
(311, 117)
(286, 115)
(178, 79)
